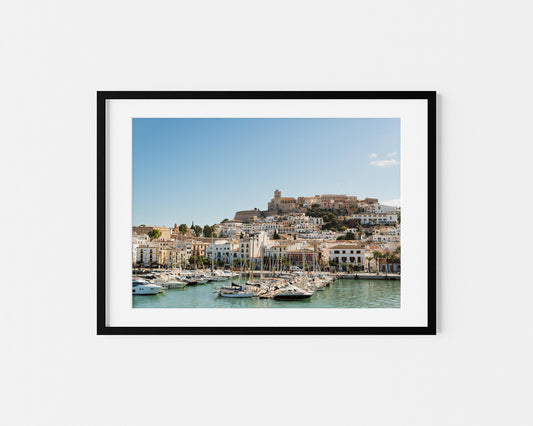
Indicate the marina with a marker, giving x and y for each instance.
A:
(340, 292)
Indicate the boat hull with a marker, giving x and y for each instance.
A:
(146, 291)
(237, 295)
(176, 285)
(291, 296)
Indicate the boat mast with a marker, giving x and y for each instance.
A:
(252, 262)
(261, 254)
(212, 253)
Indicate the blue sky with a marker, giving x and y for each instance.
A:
(205, 169)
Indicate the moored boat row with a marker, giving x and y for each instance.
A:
(284, 287)
(155, 282)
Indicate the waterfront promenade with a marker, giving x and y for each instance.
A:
(343, 275)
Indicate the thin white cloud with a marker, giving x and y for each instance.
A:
(385, 163)
(391, 154)
(373, 155)
(392, 203)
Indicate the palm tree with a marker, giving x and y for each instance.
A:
(376, 255)
(387, 257)
(394, 258)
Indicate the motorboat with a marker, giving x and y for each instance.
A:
(291, 293)
(175, 284)
(142, 287)
(217, 277)
(237, 291)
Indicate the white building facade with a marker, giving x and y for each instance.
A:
(348, 253)
(375, 218)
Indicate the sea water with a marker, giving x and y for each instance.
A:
(345, 293)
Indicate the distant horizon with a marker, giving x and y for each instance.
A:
(203, 170)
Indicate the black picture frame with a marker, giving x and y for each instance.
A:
(429, 96)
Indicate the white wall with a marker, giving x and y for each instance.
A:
(56, 54)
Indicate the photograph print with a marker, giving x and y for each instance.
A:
(266, 213)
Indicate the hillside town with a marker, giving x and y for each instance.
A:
(330, 232)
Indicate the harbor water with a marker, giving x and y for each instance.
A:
(342, 293)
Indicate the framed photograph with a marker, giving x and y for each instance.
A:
(266, 213)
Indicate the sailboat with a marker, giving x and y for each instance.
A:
(241, 291)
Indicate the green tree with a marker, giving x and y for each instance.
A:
(349, 236)
(376, 255)
(154, 234)
(343, 228)
(334, 263)
(209, 231)
(392, 258)
(276, 236)
(197, 230)
(201, 261)
(183, 229)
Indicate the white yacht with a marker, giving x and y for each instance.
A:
(237, 293)
(292, 292)
(143, 287)
(175, 284)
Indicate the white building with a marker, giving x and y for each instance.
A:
(222, 250)
(229, 228)
(251, 247)
(348, 253)
(147, 256)
(136, 241)
(281, 248)
(167, 253)
(380, 208)
(294, 223)
(389, 234)
(375, 218)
